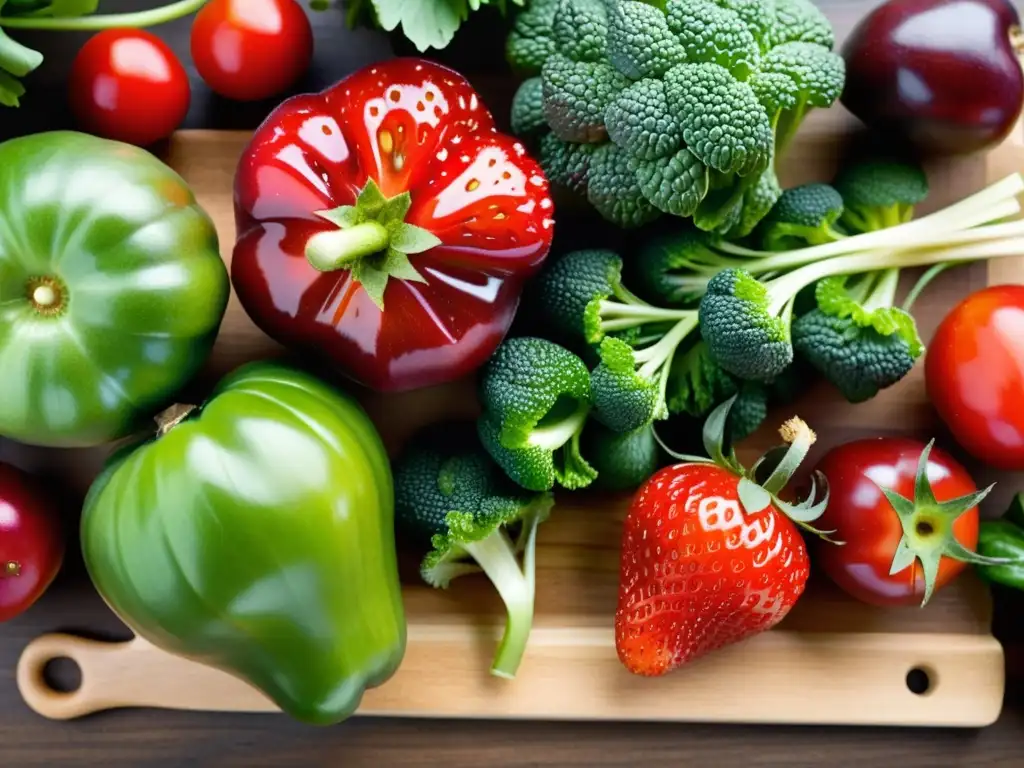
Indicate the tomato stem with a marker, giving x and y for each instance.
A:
(340, 248)
(149, 18)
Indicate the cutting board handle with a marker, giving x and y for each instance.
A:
(105, 681)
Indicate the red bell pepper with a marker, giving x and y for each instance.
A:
(387, 225)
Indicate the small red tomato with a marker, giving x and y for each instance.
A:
(127, 85)
(248, 50)
(31, 542)
(974, 373)
(891, 501)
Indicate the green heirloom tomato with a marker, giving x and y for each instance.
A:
(256, 535)
(112, 288)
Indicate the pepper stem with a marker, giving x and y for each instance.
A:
(928, 529)
(340, 248)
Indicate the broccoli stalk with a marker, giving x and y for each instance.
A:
(746, 323)
(677, 268)
(453, 503)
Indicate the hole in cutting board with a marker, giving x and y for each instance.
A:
(920, 680)
(62, 675)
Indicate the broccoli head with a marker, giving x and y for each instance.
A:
(855, 338)
(697, 97)
(803, 215)
(456, 506)
(528, 108)
(745, 327)
(629, 384)
(536, 398)
(878, 194)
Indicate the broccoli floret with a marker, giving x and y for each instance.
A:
(880, 193)
(697, 384)
(565, 163)
(640, 44)
(609, 175)
(641, 121)
(723, 123)
(803, 215)
(530, 40)
(800, 21)
(745, 326)
(453, 503)
(856, 338)
(528, 108)
(536, 398)
(576, 95)
(696, 96)
(629, 385)
(624, 460)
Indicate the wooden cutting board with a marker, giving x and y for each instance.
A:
(832, 661)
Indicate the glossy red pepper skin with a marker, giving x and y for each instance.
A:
(411, 126)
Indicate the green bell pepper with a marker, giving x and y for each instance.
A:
(255, 534)
(112, 288)
(1004, 538)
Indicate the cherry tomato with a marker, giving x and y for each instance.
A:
(863, 518)
(127, 85)
(31, 542)
(248, 50)
(974, 373)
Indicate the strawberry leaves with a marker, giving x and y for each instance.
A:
(372, 240)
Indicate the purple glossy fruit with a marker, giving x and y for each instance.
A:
(942, 74)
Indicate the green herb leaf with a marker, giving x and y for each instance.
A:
(344, 216)
(426, 23)
(408, 238)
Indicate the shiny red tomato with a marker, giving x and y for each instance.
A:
(127, 85)
(931, 539)
(974, 372)
(248, 50)
(31, 542)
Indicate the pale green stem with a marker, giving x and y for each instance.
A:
(339, 248)
(109, 21)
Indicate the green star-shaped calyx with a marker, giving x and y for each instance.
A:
(372, 241)
(928, 533)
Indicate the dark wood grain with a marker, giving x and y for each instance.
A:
(158, 738)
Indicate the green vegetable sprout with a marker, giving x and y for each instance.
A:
(424, 23)
(17, 61)
(677, 107)
(454, 503)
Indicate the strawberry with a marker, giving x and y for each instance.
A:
(710, 556)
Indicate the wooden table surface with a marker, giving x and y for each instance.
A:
(163, 738)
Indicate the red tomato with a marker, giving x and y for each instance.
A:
(974, 372)
(127, 85)
(871, 528)
(31, 542)
(248, 50)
